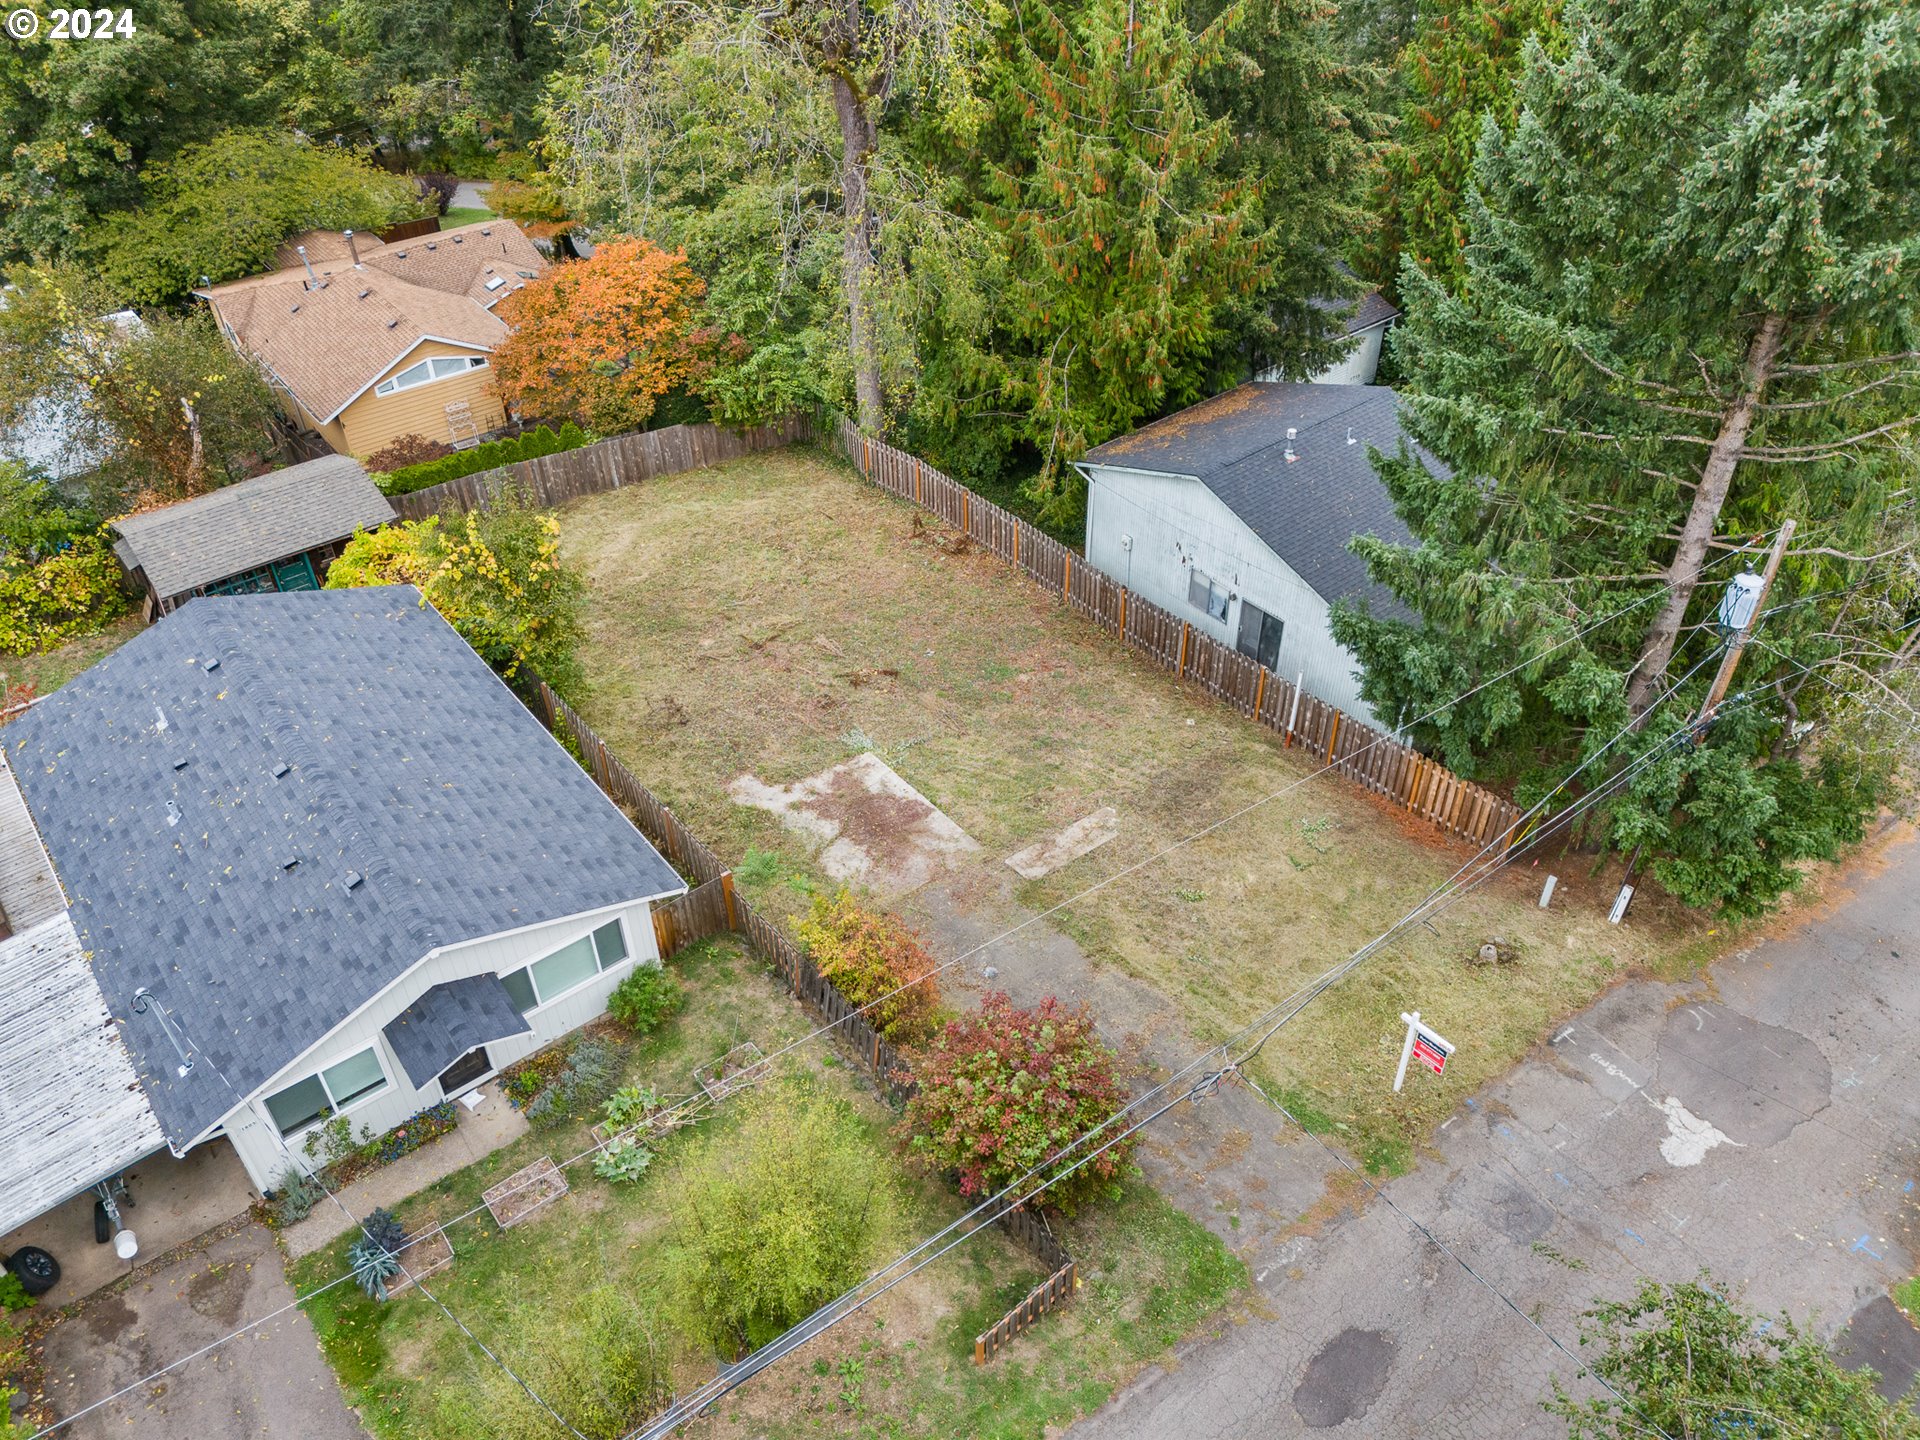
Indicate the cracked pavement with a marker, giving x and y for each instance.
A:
(1758, 1123)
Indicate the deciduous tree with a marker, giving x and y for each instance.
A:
(1684, 1361)
(601, 340)
(218, 211)
(159, 403)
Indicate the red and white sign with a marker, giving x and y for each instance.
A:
(1427, 1044)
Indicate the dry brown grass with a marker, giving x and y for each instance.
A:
(774, 614)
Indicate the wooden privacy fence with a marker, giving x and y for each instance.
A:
(1348, 746)
(712, 907)
(604, 465)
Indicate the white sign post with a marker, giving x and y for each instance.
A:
(1426, 1042)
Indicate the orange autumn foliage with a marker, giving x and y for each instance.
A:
(599, 341)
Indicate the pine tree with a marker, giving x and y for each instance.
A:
(1689, 313)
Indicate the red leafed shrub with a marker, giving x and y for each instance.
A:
(868, 954)
(407, 450)
(1005, 1090)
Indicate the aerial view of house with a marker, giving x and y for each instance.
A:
(1064, 720)
(320, 862)
(1236, 514)
(366, 342)
(277, 531)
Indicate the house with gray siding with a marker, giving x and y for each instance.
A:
(320, 862)
(1236, 515)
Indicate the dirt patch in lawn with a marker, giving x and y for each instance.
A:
(876, 829)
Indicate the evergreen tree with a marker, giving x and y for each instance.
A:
(1122, 236)
(1460, 68)
(1688, 315)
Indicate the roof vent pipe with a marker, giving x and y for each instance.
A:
(1350, 439)
(313, 281)
(353, 250)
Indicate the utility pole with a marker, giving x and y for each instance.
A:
(1738, 642)
(1747, 603)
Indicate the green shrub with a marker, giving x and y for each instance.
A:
(589, 1076)
(373, 1266)
(295, 1194)
(491, 456)
(871, 954)
(645, 998)
(70, 592)
(777, 1214)
(13, 1294)
(607, 1375)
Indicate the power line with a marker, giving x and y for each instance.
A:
(916, 1259)
(694, 1104)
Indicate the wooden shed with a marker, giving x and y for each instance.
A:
(275, 532)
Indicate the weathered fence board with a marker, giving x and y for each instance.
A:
(604, 465)
(1344, 744)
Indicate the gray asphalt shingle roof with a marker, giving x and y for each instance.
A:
(448, 1021)
(1371, 309)
(1307, 509)
(267, 808)
(243, 526)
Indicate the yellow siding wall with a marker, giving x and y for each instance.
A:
(373, 421)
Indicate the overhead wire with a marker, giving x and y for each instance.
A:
(694, 1104)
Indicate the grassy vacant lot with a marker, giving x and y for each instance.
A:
(903, 1367)
(774, 615)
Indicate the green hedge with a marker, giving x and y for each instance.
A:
(490, 456)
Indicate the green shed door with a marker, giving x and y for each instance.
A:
(295, 574)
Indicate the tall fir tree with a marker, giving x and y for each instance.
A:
(1689, 314)
(1461, 67)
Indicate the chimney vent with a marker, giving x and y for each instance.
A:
(353, 250)
(1292, 434)
(313, 280)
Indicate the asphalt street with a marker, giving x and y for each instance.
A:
(1759, 1124)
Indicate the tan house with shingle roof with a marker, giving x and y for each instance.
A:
(366, 342)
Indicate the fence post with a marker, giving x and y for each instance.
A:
(1333, 737)
(1016, 542)
(726, 893)
(1066, 581)
(1185, 630)
(663, 933)
(1259, 692)
(966, 512)
(1123, 614)
(1293, 714)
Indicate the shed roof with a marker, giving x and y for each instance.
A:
(71, 1111)
(1371, 309)
(243, 526)
(267, 808)
(1306, 509)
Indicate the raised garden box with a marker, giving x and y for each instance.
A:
(525, 1191)
(735, 1070)
(429, 1254)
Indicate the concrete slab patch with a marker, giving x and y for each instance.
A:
(1082, 837)
(1610, 1070)
(1688, 1138)
(1752, 1081)
(875, 827)
(1344, 1379)
(1880, 1338)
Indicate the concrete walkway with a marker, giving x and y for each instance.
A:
(478, 1134)
(272, 1384)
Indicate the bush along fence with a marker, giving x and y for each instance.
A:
(605, 465)
(711, 907)
(1352, 748)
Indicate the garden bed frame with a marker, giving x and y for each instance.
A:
(422, 1256)
(525, 1192)
(739, 1068)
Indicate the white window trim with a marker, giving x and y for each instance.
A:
(392, 386)
(319, 1073)
(598, 974)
